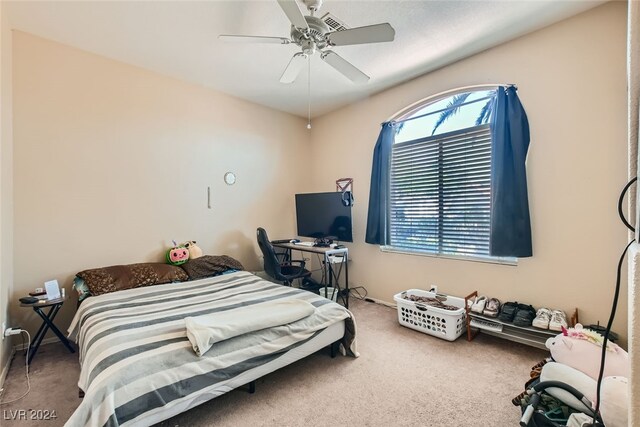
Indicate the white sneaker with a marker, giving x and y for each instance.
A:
(558, 320)
(478, 305)
(543, 317)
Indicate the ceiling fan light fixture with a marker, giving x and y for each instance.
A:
(309, 47)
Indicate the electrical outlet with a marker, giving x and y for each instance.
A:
(4, 328)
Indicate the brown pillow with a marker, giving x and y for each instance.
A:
(210, 265)
(119, 277)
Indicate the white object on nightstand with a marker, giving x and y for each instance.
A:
(53, 289)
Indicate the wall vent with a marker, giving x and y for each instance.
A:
(334, 23)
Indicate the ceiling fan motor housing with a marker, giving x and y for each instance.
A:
(316, 33)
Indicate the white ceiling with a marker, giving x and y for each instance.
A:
(179, 38)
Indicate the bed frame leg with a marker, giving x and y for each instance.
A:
(80, 393)
(252, 387)
(334, 349)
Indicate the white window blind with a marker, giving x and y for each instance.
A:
(440, 193)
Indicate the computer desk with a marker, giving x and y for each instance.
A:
(331, 256)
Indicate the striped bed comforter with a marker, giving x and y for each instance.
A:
(135, 356)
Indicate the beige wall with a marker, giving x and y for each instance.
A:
(112, 162)
(571, 79)
(6, 184)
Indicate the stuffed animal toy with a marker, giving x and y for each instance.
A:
(614, 408)
(177, 255)
(581, 348)
(194, 250)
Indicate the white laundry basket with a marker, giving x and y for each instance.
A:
(439, 322)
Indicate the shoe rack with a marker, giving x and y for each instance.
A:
(492, 326)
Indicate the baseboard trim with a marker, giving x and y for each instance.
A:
(5, 370)
(45, 341)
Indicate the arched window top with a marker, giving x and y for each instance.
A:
(449, 112)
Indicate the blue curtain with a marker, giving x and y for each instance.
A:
(378, 216)
(510, 221)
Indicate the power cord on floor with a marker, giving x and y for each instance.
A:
(358, 292)
(26, 365)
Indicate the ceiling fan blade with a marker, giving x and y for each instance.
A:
(293, 68)
(253, 39)
(293, 12)
(360, 35)
(344, 67)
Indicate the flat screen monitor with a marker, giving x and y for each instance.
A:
(321, 215)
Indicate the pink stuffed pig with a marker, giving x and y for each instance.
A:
(177, 255)
(581, 349)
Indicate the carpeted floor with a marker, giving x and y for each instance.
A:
(402, 378)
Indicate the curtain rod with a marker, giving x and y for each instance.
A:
(411, 108)
(505, 85)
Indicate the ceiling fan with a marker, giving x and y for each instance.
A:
(313, 34)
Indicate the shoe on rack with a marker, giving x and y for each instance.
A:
(558, 320)
(524, 316)
(492, 308)
(543, 316)
(478, 305)
(508, 311)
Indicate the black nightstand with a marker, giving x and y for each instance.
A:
(47, 323)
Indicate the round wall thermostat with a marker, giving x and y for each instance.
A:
(230, 178)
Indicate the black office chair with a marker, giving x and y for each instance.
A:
(284, 271)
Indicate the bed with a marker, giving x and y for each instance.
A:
(138, 367)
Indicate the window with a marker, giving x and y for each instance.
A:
(440, 187)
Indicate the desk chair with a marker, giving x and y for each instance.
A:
(285, 272)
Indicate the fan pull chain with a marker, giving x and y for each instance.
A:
(309, 94)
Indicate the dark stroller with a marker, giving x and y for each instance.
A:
(531, 417)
